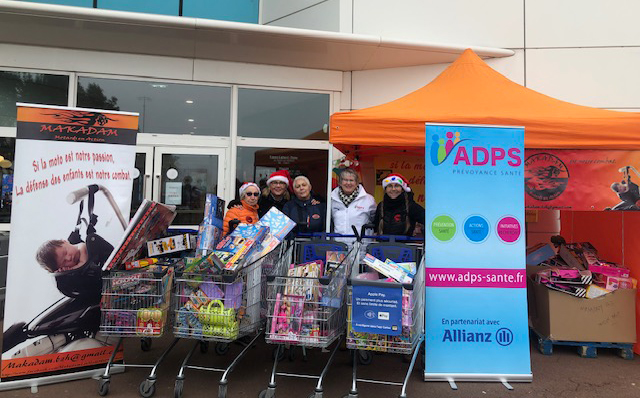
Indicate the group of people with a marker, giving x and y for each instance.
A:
(351, 205)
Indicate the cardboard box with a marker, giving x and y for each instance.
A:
(539, 253)
(607, 319)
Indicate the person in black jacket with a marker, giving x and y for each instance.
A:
(276, 193)
(397, 214)
(304, 208)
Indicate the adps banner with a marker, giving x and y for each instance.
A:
(476, 303)
(74, 170)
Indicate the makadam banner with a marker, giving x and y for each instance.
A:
(476, 299)
(72, 185)
(582, 179)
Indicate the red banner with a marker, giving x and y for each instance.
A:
(582, 179)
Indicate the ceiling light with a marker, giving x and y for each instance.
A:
(159, 85)
(190, 120)
(189, 101)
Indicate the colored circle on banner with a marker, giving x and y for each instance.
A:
(476, 229)
(443, 228)
(508, 229)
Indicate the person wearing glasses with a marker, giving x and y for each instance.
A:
(248, 212)
(276, 193)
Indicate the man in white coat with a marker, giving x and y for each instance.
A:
(351, 204)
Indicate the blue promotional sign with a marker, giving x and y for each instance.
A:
(377, 310)
(475, 281)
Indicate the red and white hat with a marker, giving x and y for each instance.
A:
(246, 185)
(280, 175)
(396, 178)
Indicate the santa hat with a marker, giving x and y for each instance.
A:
(280, 175)
(246, 185)
(396, 178)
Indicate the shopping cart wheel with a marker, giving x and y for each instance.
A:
(147, 388)
(103, 387)
(177, 389)
(263, 394)
(222, 348)
(204, 347)
(145, 344)
(364, 357)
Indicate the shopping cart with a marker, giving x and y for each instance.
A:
(409, 339)
(307, 309)
(135, 305)
(222, 309)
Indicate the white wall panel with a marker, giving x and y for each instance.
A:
(495, 23)
(598, 77)
(379, 86)
(95, 62)
(267, 75)
(324, 15)
(276, 9)
(578, 23)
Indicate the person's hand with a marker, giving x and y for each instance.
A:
(315, 202)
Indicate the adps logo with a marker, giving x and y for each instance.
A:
(440, 150)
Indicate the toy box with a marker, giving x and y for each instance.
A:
(170, 244)
(279, 224)
(610, 318)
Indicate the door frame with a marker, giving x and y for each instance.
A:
(221, 153)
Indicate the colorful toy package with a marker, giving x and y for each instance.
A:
(170, 244)
(287, 319)
(279, 224)
(213, 211)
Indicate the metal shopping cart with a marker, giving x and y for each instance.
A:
(222, 309)
(305, 308)
(136, 305)
(408, 336)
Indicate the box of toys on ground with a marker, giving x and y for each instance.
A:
(304, 310)
(393, 273)
(577, 296)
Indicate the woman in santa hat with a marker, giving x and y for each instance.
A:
(276, 193)
(397, 214)
(248, 212)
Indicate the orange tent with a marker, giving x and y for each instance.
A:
(470, 92)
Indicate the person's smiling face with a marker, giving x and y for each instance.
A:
(393, 190)
(302, 189)
(348, 183)
(277, 188)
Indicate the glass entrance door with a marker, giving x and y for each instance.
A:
(183, 177)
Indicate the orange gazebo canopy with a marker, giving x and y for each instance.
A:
(471, 92)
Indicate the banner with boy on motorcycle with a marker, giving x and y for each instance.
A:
(73, 176)
(582, 180)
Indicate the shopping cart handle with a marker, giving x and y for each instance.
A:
(355, 231)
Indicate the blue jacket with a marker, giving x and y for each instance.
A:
(312, 216)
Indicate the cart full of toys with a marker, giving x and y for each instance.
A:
(306, 302)
(385, 307)
(223, 306)
(136, 305)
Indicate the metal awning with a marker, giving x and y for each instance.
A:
(130, 32)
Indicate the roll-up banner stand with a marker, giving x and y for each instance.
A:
(73, 176)
(476, 299)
